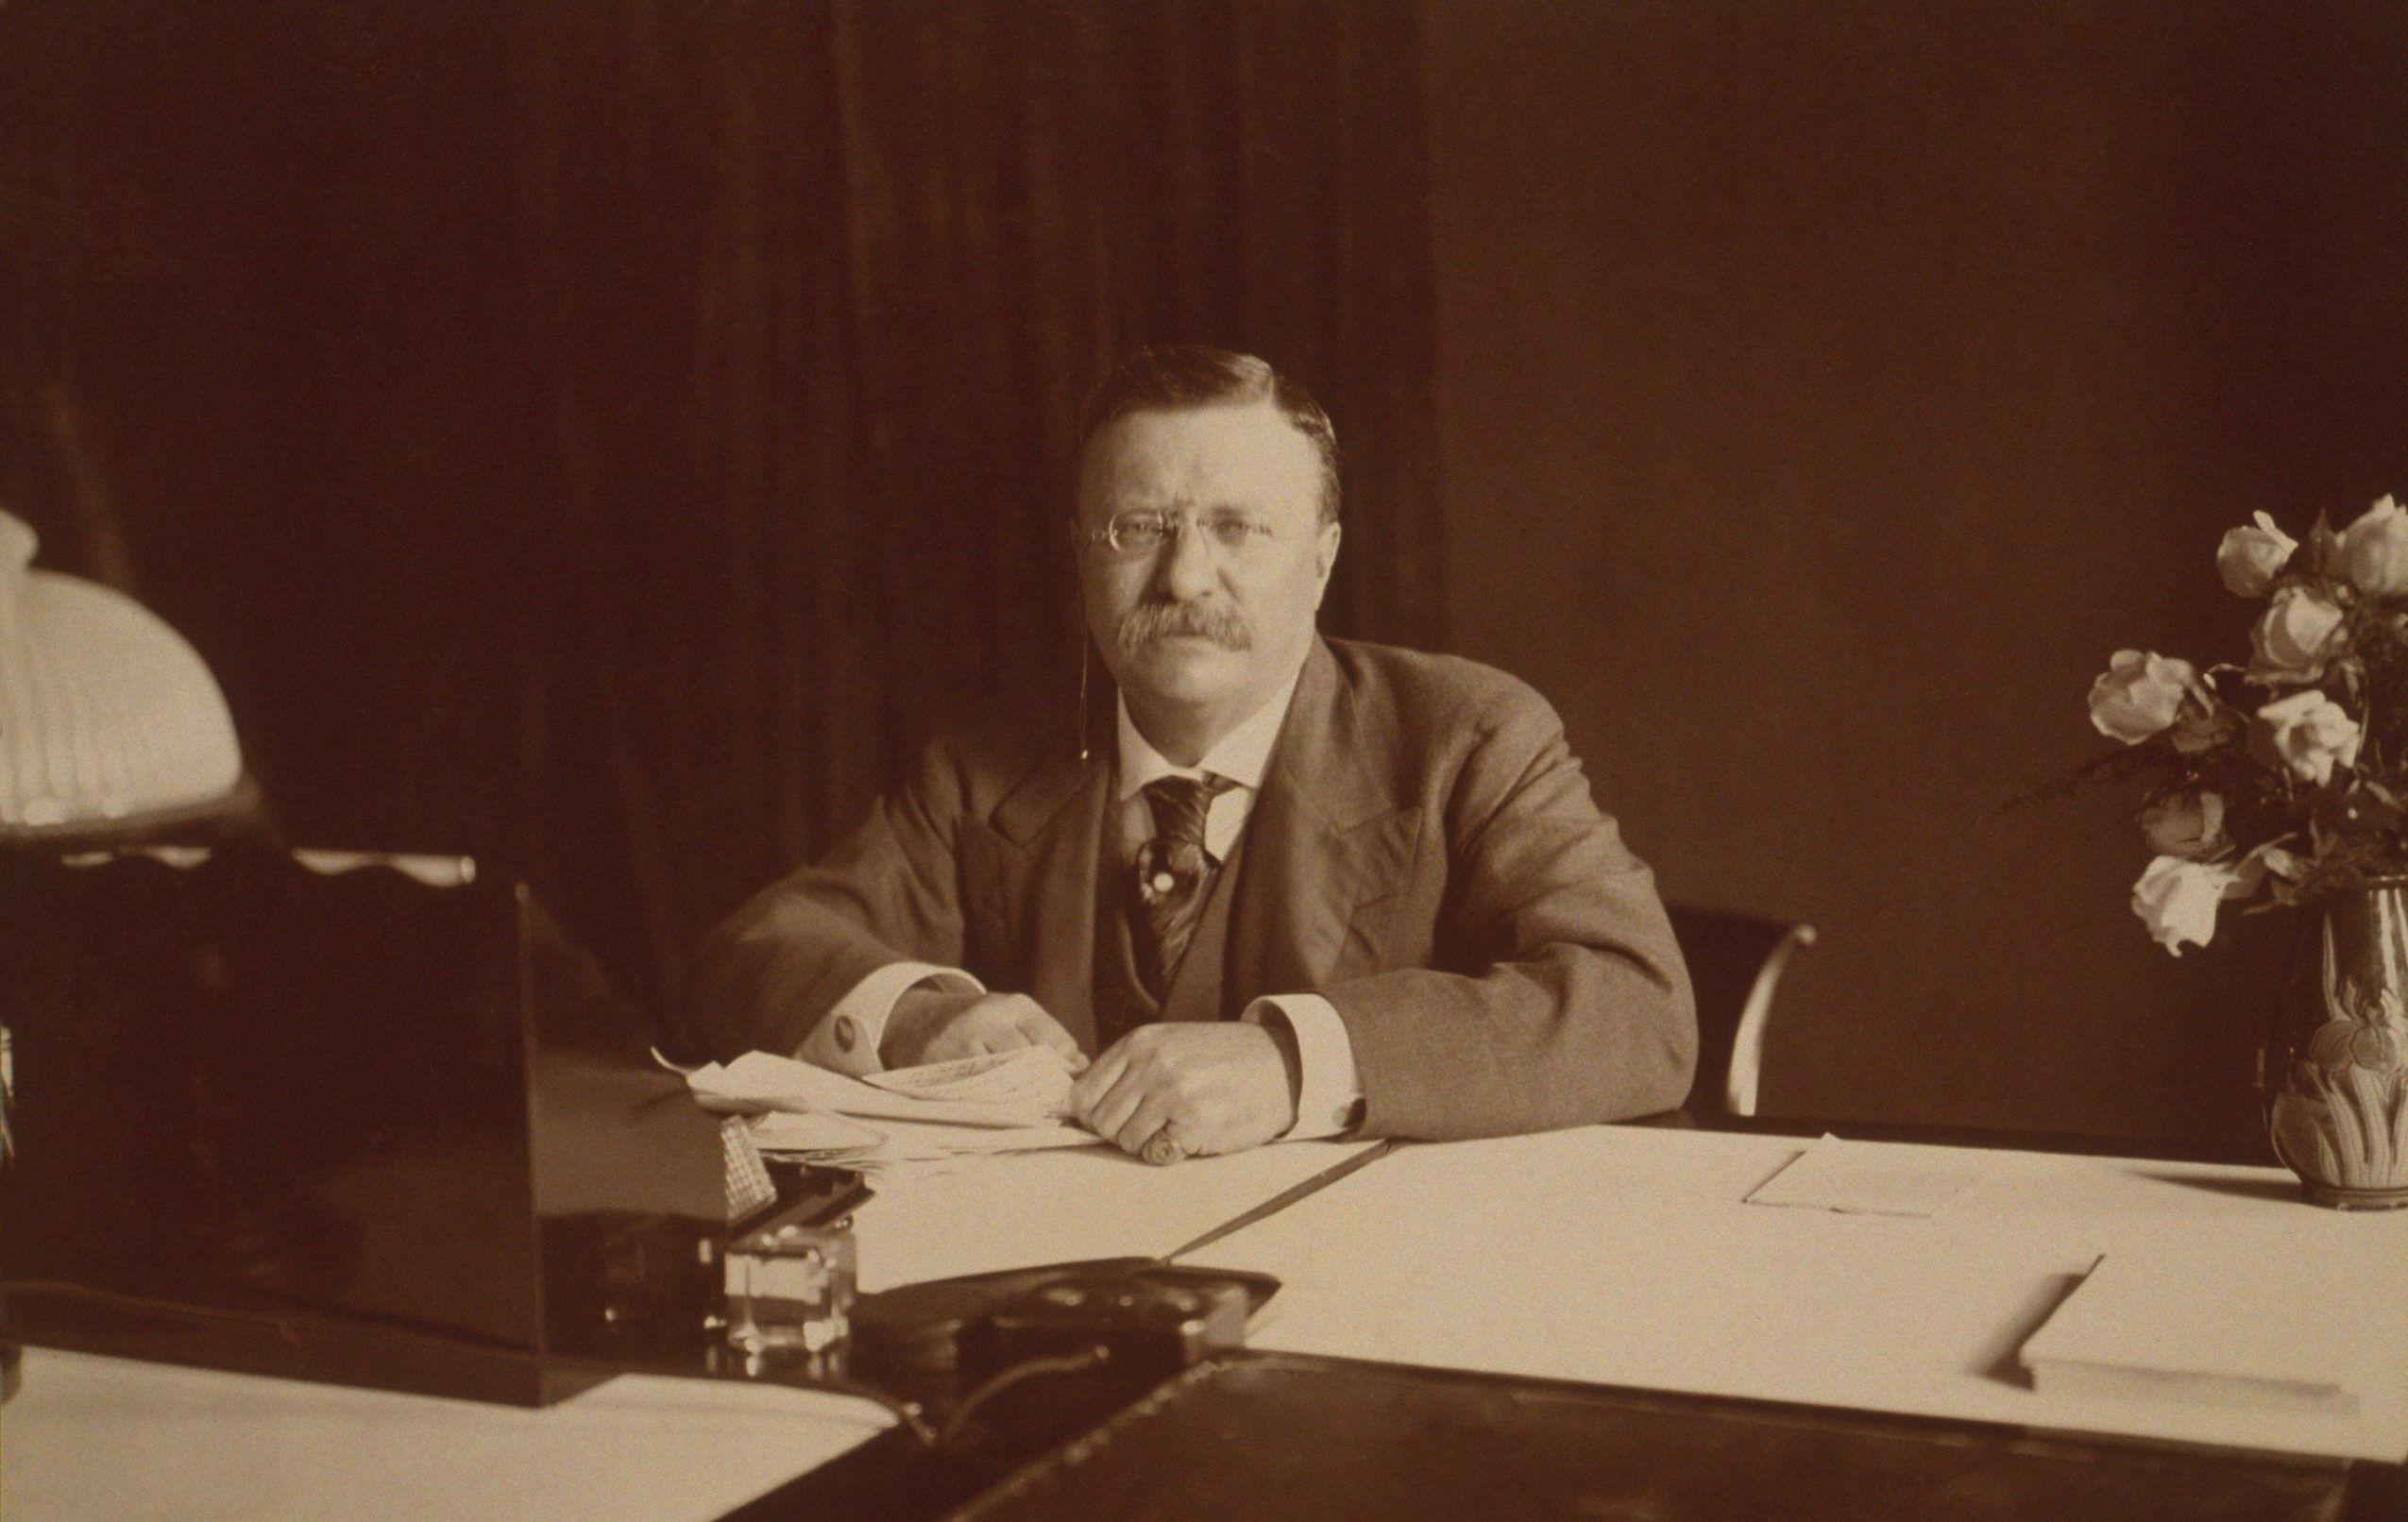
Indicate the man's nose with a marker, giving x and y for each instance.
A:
(1186, 568)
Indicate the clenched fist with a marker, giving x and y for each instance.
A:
(1197, 1087)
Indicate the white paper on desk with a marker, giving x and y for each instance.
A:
(881, 1149)
(1025, 1209)
(758, 1081)
(813, 1133)
(1854, 1179)
(904, 1150)
(981, 1141)
(103, 1439)
(1033, 1080)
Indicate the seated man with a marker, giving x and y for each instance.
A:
(1309, 886)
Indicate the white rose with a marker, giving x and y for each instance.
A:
(2299, 632)
(2311, 733)
(2250, 558)
(2176, 899)
(2374, 550)
(2139, 694)
(2189, 825)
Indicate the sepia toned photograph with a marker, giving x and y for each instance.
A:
(1187, 759)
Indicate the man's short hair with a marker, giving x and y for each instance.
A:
(1170, 377)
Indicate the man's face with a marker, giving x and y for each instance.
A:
(1216, 615)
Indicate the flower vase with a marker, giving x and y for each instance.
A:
(2337, 1066)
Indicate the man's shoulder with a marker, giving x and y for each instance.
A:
(1418, 689)
(1420, 722)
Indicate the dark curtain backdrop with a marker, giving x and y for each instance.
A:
(1871, 372)
(609, 436)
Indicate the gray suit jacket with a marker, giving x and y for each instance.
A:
(1424, 854)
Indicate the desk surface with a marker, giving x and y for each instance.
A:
(1604, 1255)
(1628, 1257)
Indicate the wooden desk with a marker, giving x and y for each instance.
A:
(1584, 1324)
(1276, 1437)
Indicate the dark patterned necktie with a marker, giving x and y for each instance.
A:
(1171, 871)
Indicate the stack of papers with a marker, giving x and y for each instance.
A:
(918, 1117)
(917, 1130)
(1032, 1082)
(1045, 1207)
(2235, 1331)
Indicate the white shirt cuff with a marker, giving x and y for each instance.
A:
(847, 1039)
(1329, 1090)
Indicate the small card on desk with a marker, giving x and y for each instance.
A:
(2238, 1331)
(1862, 1178)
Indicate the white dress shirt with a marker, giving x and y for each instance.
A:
(1329, 1091)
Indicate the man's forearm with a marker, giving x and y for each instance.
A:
(1574, 1036)
(768, 978)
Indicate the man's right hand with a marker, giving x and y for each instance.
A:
(932, 1025)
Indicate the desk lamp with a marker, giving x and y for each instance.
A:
(111, 729)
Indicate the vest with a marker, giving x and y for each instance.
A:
(1122, 1003)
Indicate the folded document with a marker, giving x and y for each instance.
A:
(1032, 1080)
(999, 1102)
(1027, 1086)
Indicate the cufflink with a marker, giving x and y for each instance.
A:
(844, 1033)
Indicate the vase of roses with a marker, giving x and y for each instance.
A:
(2284, 781)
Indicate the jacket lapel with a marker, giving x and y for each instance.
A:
(1326, 838)
(1051, 832)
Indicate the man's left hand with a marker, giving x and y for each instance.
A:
(1203, 1088)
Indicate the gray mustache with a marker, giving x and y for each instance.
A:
(1149, 621)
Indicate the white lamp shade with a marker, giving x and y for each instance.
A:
(106, 713)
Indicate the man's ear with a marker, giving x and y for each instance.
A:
(1325, 559)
